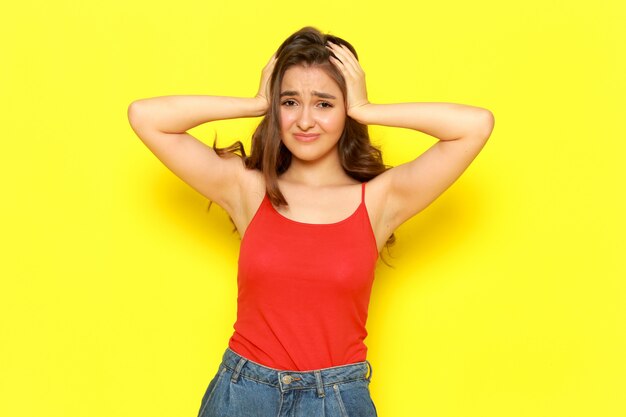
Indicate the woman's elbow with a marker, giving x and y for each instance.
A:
(486, 123)
(133, 112)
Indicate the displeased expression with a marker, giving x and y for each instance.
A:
(312, 112)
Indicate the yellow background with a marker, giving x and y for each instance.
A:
(118, 288)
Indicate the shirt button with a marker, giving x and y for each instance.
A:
(287, 379)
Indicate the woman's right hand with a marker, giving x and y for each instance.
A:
(263, 94)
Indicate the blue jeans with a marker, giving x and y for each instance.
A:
(243, 388)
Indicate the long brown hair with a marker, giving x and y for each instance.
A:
(359, 158)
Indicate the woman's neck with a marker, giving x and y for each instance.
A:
(325, 172)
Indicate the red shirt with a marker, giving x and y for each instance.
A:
(304, 290)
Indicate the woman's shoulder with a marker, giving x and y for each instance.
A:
(376, 193)
(252, 183)
(379, 185)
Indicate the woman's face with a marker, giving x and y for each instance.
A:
(312, 113)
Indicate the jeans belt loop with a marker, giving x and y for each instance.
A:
(320, 384)
(240, 365)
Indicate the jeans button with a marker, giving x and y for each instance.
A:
(287, 379)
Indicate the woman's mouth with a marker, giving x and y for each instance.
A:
(306, 137)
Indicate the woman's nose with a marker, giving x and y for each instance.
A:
(305, 119)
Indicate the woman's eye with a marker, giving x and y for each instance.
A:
(326, 105)
(288, 103)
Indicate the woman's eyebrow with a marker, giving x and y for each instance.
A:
(315, 93)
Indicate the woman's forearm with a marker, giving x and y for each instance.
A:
(179, 113)
(445, 121)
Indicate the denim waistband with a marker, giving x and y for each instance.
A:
(287, 380)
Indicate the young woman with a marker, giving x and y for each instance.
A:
(314, 205)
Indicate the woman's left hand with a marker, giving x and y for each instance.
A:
(354, 76)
